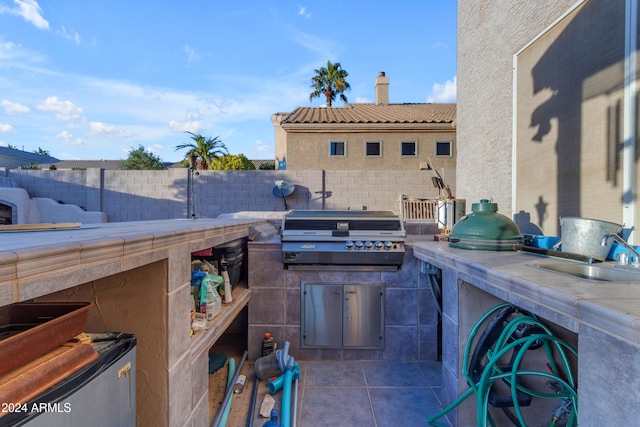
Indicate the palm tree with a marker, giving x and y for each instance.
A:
(206, 148)
(329, 82)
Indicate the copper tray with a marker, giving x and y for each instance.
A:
(30, 329)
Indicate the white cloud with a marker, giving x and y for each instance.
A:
(69, 139)
(261, 146)
(5, 127)
(13, 108)
(64, 110)
(72, 35)
(323, 47)
(440, 45)
(186, 126)
(155, 148)
(7, 50)
(99, 128)
(191, 54)
(362, 100)
(29, 10)
(303, 12)
(444, 93)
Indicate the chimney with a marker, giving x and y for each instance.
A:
(382, 89)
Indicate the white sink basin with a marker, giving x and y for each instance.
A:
(601, 273)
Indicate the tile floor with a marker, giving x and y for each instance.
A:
(369, 393)
(353, 394)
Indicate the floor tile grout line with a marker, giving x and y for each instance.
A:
(303, 381)
(363, 367)
(366, 385)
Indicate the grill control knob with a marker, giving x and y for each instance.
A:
(368, 245)
(377, 244)
(348, 244)
(388, 245)
(359, 244)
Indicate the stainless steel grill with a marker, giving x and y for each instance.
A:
(362, 240)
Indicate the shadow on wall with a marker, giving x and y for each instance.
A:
(581, 69)
(169, 194)
(219, 192)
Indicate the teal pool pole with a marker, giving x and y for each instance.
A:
(286, 398)
(227, 408)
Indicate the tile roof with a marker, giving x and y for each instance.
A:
(114, 164)
(372, 113)
(84, 164)
(26, 156)
(258, 163)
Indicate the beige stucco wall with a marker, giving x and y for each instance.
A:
(553, 147)
(310, 150)
(489, 34)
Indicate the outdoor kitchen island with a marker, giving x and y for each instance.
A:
(137, 275)
(601, 319)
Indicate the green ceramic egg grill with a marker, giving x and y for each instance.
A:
(485, 229)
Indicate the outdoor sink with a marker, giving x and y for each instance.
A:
(591, 272)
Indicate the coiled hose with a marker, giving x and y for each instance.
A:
(561, 377)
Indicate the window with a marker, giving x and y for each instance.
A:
(373, 149)
(337, 149)
(409, 148)
(443, 148)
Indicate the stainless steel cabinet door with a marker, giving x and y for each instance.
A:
(342, 315)
(363, 321)
(321, 315)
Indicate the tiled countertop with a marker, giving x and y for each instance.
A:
(565, 300)
(36, 263)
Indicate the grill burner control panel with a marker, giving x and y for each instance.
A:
(368, 245)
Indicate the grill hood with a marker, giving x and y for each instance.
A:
(485, 229)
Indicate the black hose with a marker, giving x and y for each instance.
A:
(252, 407)
(229, 392)
(436, 292)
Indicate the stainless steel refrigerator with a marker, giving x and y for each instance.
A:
(102, 393)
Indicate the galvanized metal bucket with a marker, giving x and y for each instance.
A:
(583, 236)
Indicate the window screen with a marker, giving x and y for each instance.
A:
(409, 148)
(337, 148)
(373, 149)
(443, 148)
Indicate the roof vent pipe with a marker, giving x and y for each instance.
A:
(382, 89)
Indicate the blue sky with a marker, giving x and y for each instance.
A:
(88, 80)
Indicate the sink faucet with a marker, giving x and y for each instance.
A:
(620, 240)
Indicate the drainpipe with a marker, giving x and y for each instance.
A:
(628, 159)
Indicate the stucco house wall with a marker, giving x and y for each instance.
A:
(303, 138)
(310, 150)
(489, 34)
(547, 119)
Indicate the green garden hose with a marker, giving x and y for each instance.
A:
(559, 375)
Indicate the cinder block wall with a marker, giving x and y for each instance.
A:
(166, 194)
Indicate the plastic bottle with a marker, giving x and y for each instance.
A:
(239, 385)
(214, 304)
(202, 298)
(267, 344)
(273, 419)
(227, 282)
